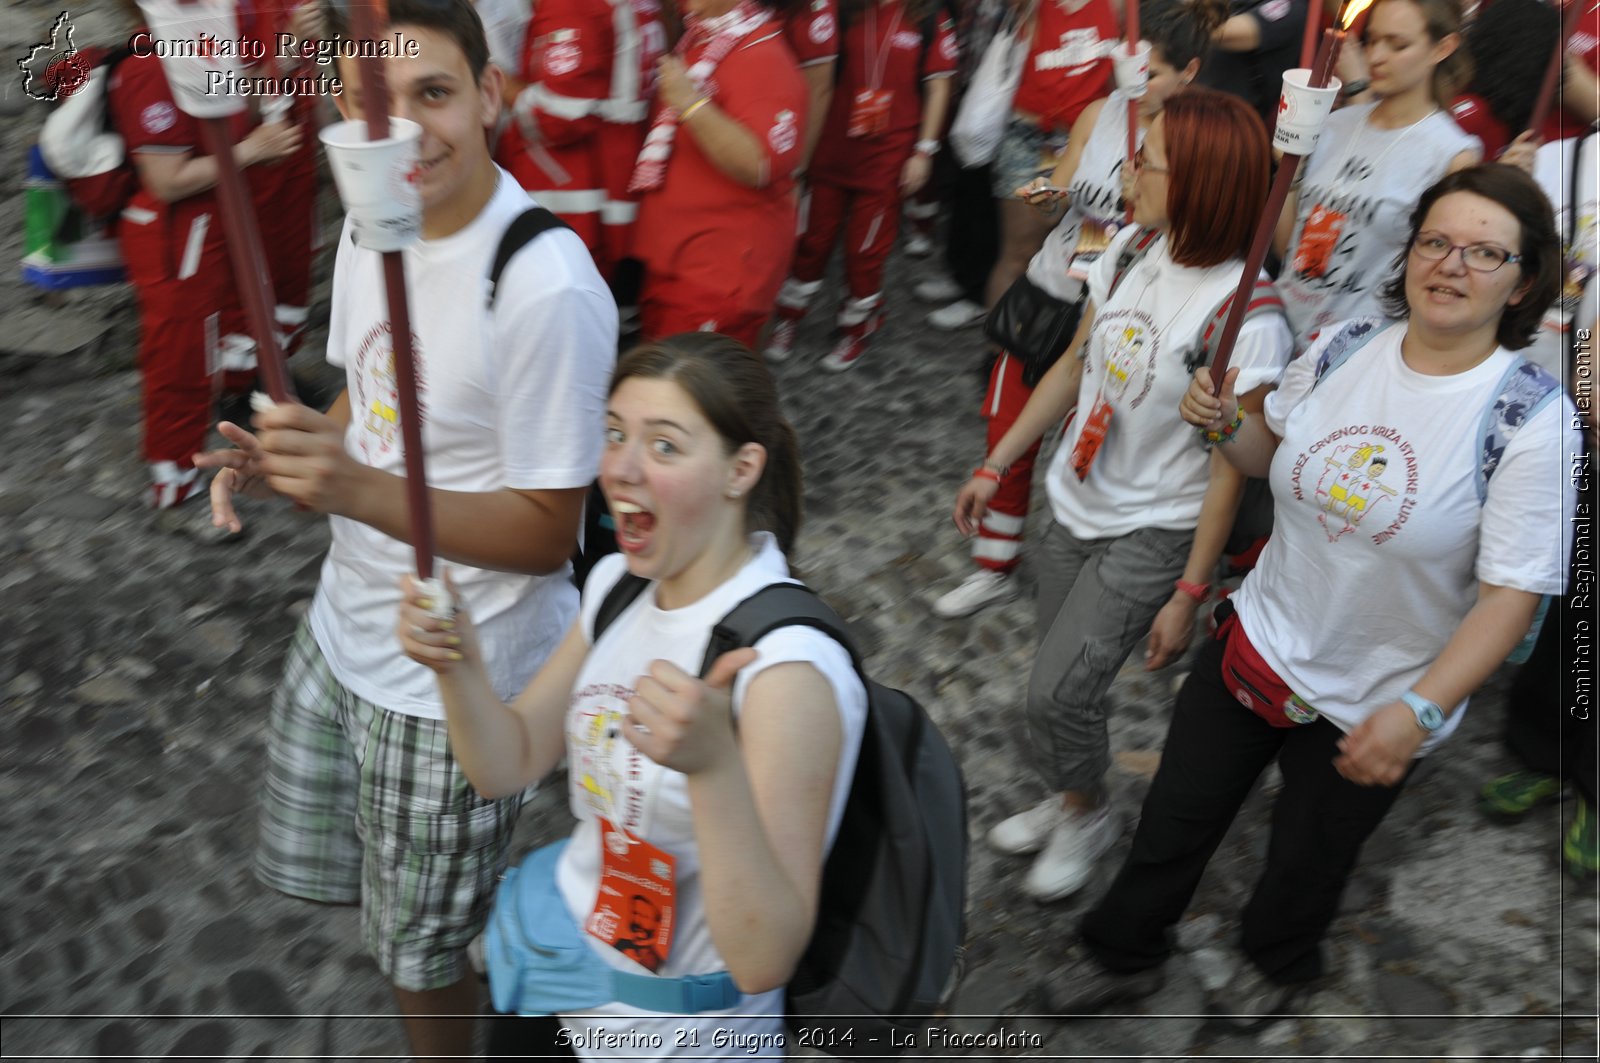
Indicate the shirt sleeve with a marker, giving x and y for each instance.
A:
(769, 102)
(336, 311)
(813, 32)
(943, 53)
(1261, 352)
(556, 344)
(1527, 514)
(1295, 385)
(143, 110)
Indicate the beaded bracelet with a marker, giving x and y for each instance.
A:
(1228, 432)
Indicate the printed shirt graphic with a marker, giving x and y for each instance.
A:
(1152, 470)
(1094, 215)
(1379, 539)
(497, 414)
(1067, 68)
(1373, 178)
(607, 773)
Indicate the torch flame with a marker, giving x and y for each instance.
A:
(1351, 11)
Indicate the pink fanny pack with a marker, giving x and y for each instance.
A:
(1252, 681)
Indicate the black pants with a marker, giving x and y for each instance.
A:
(1215, 749)
(1547, 727)
(516, 1037)
(973, 242)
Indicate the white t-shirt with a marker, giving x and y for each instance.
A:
(517, 401)
(1152, 469)
(1552, 168)
(1370, 569)
(1096, 191)
(606, 771)
(1373, 177)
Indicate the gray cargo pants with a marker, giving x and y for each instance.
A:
(1096, 600)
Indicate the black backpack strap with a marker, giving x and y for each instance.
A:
(1264, 299)
(523, 230)
(772, 607)
(1131, 254)
(623, 594)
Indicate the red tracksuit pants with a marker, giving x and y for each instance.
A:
(870, 221)
(179, 273)
(999, 543)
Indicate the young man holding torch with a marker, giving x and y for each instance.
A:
(362, 798)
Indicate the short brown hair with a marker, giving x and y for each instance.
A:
(456, 19)
(1538, 251)
(735, 392)
(1220, 165)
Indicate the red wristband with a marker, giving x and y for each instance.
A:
(1198, 591)
(983, 472)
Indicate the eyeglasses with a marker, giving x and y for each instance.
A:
(1484, 258)
(1141, 163)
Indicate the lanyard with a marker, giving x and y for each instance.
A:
(880, 64)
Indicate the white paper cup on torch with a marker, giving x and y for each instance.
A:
(199, 50)
(441, 605)
(377, 182)
(1302, 112)
(1131, 68)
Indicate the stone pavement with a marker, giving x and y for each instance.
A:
(142, 653)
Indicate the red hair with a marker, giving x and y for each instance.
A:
(1220, 167)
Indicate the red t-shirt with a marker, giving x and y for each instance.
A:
(1066, 69)
(710, 232)
(881, 51)
(1473, 115)
(1585, 44)
(812, 30)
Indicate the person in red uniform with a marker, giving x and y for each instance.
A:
(579, 61)
(877, 145)
(1064, 72)
(812, 30)
(285, 194)
(172, 241)
(622, 135)
(716, 174)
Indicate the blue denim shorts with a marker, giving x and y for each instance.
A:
(1026, 152)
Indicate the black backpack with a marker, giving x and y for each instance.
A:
(599, 534)
(891, 916)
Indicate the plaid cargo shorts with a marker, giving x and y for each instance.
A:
(360, 803)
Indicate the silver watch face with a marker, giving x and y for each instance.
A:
(1430, 717)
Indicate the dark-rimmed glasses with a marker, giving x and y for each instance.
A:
(1484, 258)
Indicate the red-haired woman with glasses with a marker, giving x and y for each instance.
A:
(1141, 508)
(1419, 472)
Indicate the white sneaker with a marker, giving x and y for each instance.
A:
(919, 245)
(958, 315)
(781, 344)
(939, 289)
(1026, 832)
(1077, 841)
(983, 587)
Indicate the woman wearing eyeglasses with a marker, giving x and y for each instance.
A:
(1418, 468)
(1342, 224)
(1141, 509)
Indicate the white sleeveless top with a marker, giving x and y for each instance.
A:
(1374, 177)
(1096, 188)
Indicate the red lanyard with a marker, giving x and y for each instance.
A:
(880, 64)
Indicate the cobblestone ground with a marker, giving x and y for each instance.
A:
(142, 651)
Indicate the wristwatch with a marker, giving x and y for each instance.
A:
(1430, 717)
